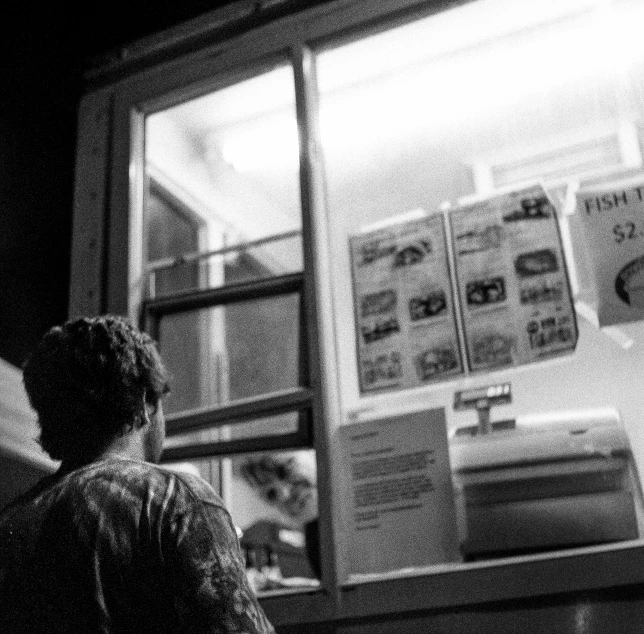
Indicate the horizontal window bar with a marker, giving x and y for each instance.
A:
(189, 258)
(224, 295)
(245, 445)
(239, 411)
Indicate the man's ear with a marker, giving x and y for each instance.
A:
(146, 411)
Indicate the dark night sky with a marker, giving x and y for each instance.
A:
(44, 52)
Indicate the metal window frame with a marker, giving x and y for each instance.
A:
(298, 399)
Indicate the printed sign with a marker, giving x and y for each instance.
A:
(405, 318)
(399, 510)
(613, 222)
(516, 304)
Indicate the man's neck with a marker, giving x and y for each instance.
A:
(129, 446)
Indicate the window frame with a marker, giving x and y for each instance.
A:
(295, 400)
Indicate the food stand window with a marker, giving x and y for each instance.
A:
(246, 175)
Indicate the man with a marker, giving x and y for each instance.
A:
(113, 543)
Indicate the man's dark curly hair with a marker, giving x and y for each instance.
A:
(87, 380)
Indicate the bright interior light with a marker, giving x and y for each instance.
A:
(439, 35)
(507, 64)
(475, 84)
(262, 145)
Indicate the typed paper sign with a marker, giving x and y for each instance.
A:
(613, 222)
(399, 504)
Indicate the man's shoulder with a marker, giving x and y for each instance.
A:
(151, 475)
(134, 479)
(128, 484)
(192, 485)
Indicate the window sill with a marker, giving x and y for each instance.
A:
(452, 585)
(458, 585)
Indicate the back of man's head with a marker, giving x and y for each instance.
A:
(88, 380)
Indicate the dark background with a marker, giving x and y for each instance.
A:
(45, 52)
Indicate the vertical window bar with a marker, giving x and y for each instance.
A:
(125, 271)
(312, 198)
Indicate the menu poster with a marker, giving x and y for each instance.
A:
(613, 222)
(399, 509)
(405, 319)
(515, 296)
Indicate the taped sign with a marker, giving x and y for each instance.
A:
(613, 222)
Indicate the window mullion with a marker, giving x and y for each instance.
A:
(232, 447)
(240, 411)
(320, 344)
(206, 298)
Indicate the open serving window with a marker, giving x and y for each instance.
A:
(375, 241)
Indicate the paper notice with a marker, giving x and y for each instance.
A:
(399, 507)
(405, 319)
(613, 221)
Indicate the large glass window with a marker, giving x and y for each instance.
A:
(481, 98)
(414, 122)
(419, 120)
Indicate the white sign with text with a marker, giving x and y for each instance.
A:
(613, 221)
(399, 506)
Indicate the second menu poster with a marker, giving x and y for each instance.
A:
(516, 304)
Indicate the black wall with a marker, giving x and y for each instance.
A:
(44, 53)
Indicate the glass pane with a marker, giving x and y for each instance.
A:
(221, 354)
(222, 171)
(272, 498)
(238, 264)
(266, 426)
(485, 98)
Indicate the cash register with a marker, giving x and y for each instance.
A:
(543, 482)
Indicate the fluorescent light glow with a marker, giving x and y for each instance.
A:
(465, 85)
(263, 145)
(439, 35)
(472, 85)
